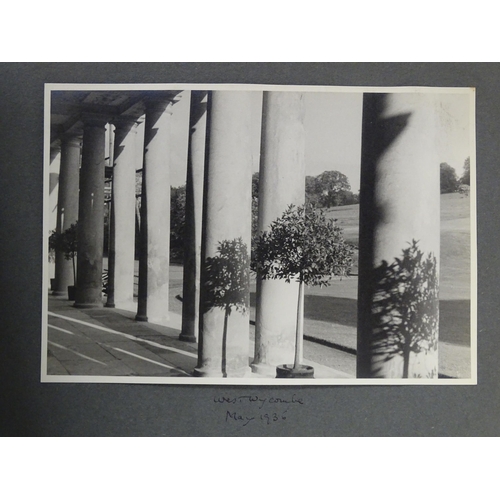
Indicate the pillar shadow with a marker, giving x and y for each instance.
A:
(53, 181)
(378, 133)
(225, 282)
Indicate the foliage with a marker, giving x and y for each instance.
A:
(329, 189)
(177, 222)
(304, 246)
(347, 198)
(449, 181)
(67, 243)
(333, 185)
(106, 228)
(325, 190)
(464, 189)
(465, 179)
(53, 244)
(312, 191)
(255, 208)
(54, 239)
(255, 185)
(405, 305)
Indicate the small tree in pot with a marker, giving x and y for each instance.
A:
(306, 247)
(54, 238)
(67, 243)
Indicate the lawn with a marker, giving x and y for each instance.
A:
(336, 305)
(455, 242)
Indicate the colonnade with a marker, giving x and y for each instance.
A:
(399, 204)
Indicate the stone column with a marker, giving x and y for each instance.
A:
(281, 183)
(194, 213)
(398, 307)
(122, 234)
(54, 169)
(91, 214)
(155, 214)
(67, 207)
(224, 338)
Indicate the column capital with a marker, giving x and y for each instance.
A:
(158, 101)
(94, 119)
(74, 140)
(199, 104)
(125, 123)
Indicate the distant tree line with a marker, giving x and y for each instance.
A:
(329, 189)
(326, 190)
(177, 222)
(450, 182)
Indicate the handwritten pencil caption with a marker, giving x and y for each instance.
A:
(257, 409)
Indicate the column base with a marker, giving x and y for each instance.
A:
(59, 293)
(187, 338)
(264, 369)
(141, 317)
(87, 306)
(206, 372)
(130, 305)
(108, 304)
(159, 320)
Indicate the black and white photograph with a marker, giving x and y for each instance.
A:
(259, 235)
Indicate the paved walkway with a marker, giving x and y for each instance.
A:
(109, 342)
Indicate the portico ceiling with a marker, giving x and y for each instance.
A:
(67, 107)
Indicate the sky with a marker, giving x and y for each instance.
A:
(333, 133)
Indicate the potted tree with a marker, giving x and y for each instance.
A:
(54, 238)
(66, 242)
(69, 247)
(304, 246)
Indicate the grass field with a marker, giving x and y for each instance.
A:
(336, 305)
(455, 242)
